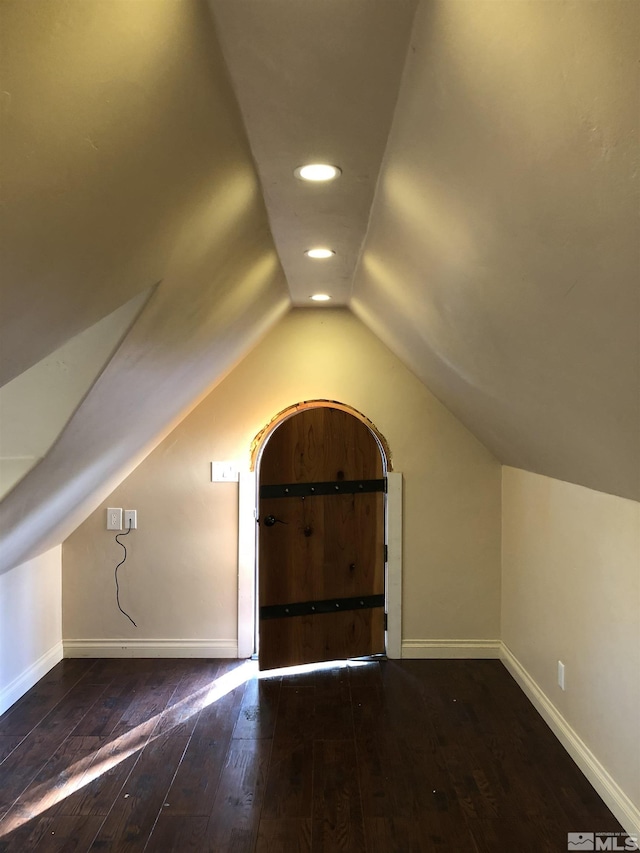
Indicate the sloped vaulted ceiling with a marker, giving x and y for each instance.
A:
(499, 259)
(502, 258)
(126, 166)
(316, 81)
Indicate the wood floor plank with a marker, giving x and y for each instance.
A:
(22, 717)
(195, 784)
(444, 756)
(333, 716)
(337, 810)
(109, 709)
(289, 785)
(218, 719)
(492, 789)
(284, 835)
(59, 834)
(64, 718)
(102, 782)
(392, 835)
(189, 698)
(235, 816)
(428, 774)
(369, 707)
(404, 706)
(411, 835)
(8, 744)
(32, 754)
(21, 767)
(108, 770)
(61, 776)
(179, 834)
(386, 788)
(525, 836)
(296, 712)
(133, 816)
(146, 705)
(257, 718)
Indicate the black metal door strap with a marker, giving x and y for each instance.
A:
(330, 605)
(336, 487)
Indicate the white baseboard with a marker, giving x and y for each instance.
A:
(150, 648)
(455, 649)
(625, 811)
(25, 681)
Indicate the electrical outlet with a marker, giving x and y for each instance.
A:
(114, 518)
(561, 675)
(130, 519)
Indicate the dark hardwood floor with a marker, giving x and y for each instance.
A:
(193, 755)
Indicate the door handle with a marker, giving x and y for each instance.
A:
(270, 520)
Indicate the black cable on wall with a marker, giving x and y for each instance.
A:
(122, 545)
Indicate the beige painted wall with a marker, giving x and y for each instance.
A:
(571, 592)
(180, 579)
(30, 624)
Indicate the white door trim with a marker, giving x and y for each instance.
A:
(393, 586)
(247, 540)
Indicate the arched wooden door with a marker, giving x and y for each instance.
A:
(321, 540)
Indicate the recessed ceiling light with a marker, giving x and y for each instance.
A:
(319, 252)
(317, 172)
(321, 297)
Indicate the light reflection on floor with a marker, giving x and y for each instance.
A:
(81, 773)
(304, 668)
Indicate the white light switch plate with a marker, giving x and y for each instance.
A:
(224, 472)
(560, 675)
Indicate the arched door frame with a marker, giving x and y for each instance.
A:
(247, 533)
(258, 443)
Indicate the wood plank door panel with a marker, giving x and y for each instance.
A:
(325, 550)
(296, 640)
(318, 445)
